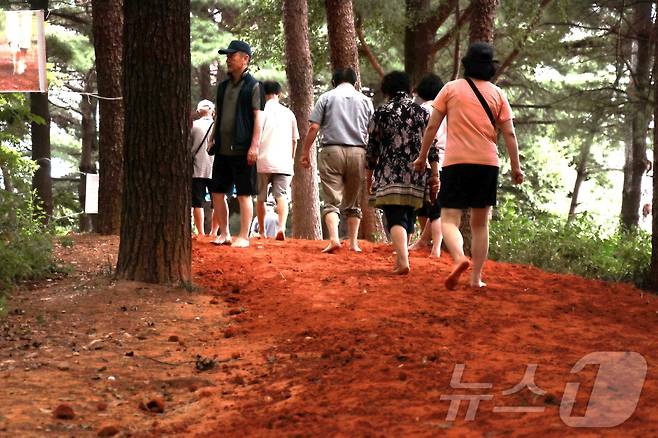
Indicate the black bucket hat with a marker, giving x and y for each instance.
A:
(479, 61)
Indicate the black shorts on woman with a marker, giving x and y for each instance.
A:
(468, 186)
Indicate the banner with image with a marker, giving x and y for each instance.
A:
(22, 51)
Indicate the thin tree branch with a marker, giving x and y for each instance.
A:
(365, 48)
(445, 39)
(517, 49)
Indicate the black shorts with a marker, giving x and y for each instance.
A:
(468, 186)
(402, 215)
(228, 170)
(200, 186)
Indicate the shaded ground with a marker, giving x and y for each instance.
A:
(311, 345)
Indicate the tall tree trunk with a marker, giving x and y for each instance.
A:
(456, 55)
(108, 44)
(155, 241)
(636, 151)
(87, 162)
(7, 183)
(342, 36)
(205, 91)
(42, 182)
(581, 173)
(422, 22)
(483, 21)
(418, 39)
(299, 69)
(653, 270)
(344, 53)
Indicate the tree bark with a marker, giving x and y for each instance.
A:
(483, 21)
(306, 223)
(418, 39)
(155, 243)
(638, 113)
(41, 182)
(653, 269)
(87, 162)
(204, 82)
(342, 36)
(7, 183)
(342, 45)
(581, 173)
(422, 22)
(108, 44)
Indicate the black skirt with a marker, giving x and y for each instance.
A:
(468, 186)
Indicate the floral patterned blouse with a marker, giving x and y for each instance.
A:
(396, 132)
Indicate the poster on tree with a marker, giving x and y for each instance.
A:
(22, 51)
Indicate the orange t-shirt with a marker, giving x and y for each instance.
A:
(471, 136)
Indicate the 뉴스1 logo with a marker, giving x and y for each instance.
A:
(614, 397)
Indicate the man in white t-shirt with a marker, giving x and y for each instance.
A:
(276, 157)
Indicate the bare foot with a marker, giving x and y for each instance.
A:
(222, 240)
(452, 280)
(418, 244)
(280, 235)
(401, 270)
(435, 254)
(355, 248)
(333, 246)
(240, 242)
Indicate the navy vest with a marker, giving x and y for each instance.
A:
(244, 113)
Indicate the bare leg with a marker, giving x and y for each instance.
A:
(260, 212)
(479, 243)
(425, 236)
(332, 220)
(455, 243)
(353, 223)
(198, 221)
(215, 224)
(221, 213)
(399, 237)
(282, 211)
(437, 238)
(246, 214)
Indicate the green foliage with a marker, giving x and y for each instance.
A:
(25, 244)
(579, 246)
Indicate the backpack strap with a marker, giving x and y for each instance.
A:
(483, 102)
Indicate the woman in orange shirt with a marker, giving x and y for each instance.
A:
(470, 167)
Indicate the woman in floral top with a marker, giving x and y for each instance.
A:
(396, 131)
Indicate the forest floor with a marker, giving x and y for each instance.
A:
(309, 344)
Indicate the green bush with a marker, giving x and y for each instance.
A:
(25, 243)
(579, 246)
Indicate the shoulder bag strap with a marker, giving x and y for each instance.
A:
(483, 102)
(203, 141)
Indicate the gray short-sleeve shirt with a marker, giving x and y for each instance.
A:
(343, 115)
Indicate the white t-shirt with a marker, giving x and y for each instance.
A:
(202, 161)
(441, 133)
(279, 130)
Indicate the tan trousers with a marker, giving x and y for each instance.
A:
(341, 175)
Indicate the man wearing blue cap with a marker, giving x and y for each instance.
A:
(236, 139)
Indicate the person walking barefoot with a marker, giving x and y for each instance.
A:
(475, 109)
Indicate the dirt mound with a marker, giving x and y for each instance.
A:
(281, 340)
